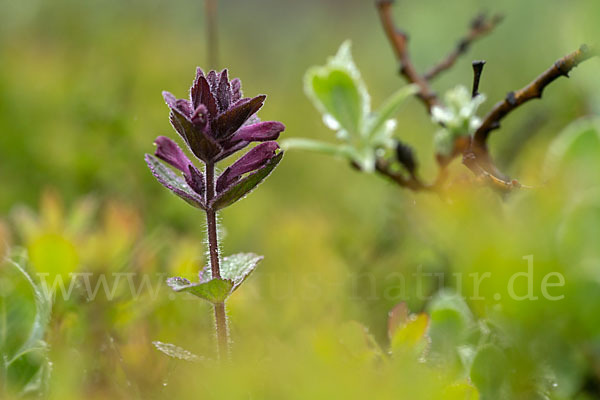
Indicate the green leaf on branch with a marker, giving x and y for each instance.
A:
(214, 290)
(339, 93)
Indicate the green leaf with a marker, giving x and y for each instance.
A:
(174, 351)
(338, 92)
(411, 336)
(214, 290)
(451, 322)
(489, 372)
(448, 332)
(389, 108)
(30, 372)
(449, 299)
(234, 271)
(339, 98)
(235, 268)
(24, 317)
(245, 185)
(43, 307)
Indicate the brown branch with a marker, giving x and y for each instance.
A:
(413, 183)
(475, 154)
(494, 179)
(532, 91)
(410, 182)
(399, 42)
(480, 26)
(477, 71)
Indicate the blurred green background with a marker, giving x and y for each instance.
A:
(80, 104)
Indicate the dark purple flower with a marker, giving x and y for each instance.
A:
(215, 123)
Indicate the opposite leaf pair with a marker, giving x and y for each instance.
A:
(234, 271)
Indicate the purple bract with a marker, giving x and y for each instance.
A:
(215, 123)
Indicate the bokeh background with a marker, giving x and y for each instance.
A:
(80, 104)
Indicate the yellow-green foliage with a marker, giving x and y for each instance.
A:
(80, 104)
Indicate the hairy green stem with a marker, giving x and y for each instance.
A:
(210, 9)
(222, 331)
(213, 246)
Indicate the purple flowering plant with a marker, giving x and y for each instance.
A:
(216, 123)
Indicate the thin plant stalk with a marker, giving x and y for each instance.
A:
(210, 7)
(215, 123)
(222, 331)
(213, 246)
